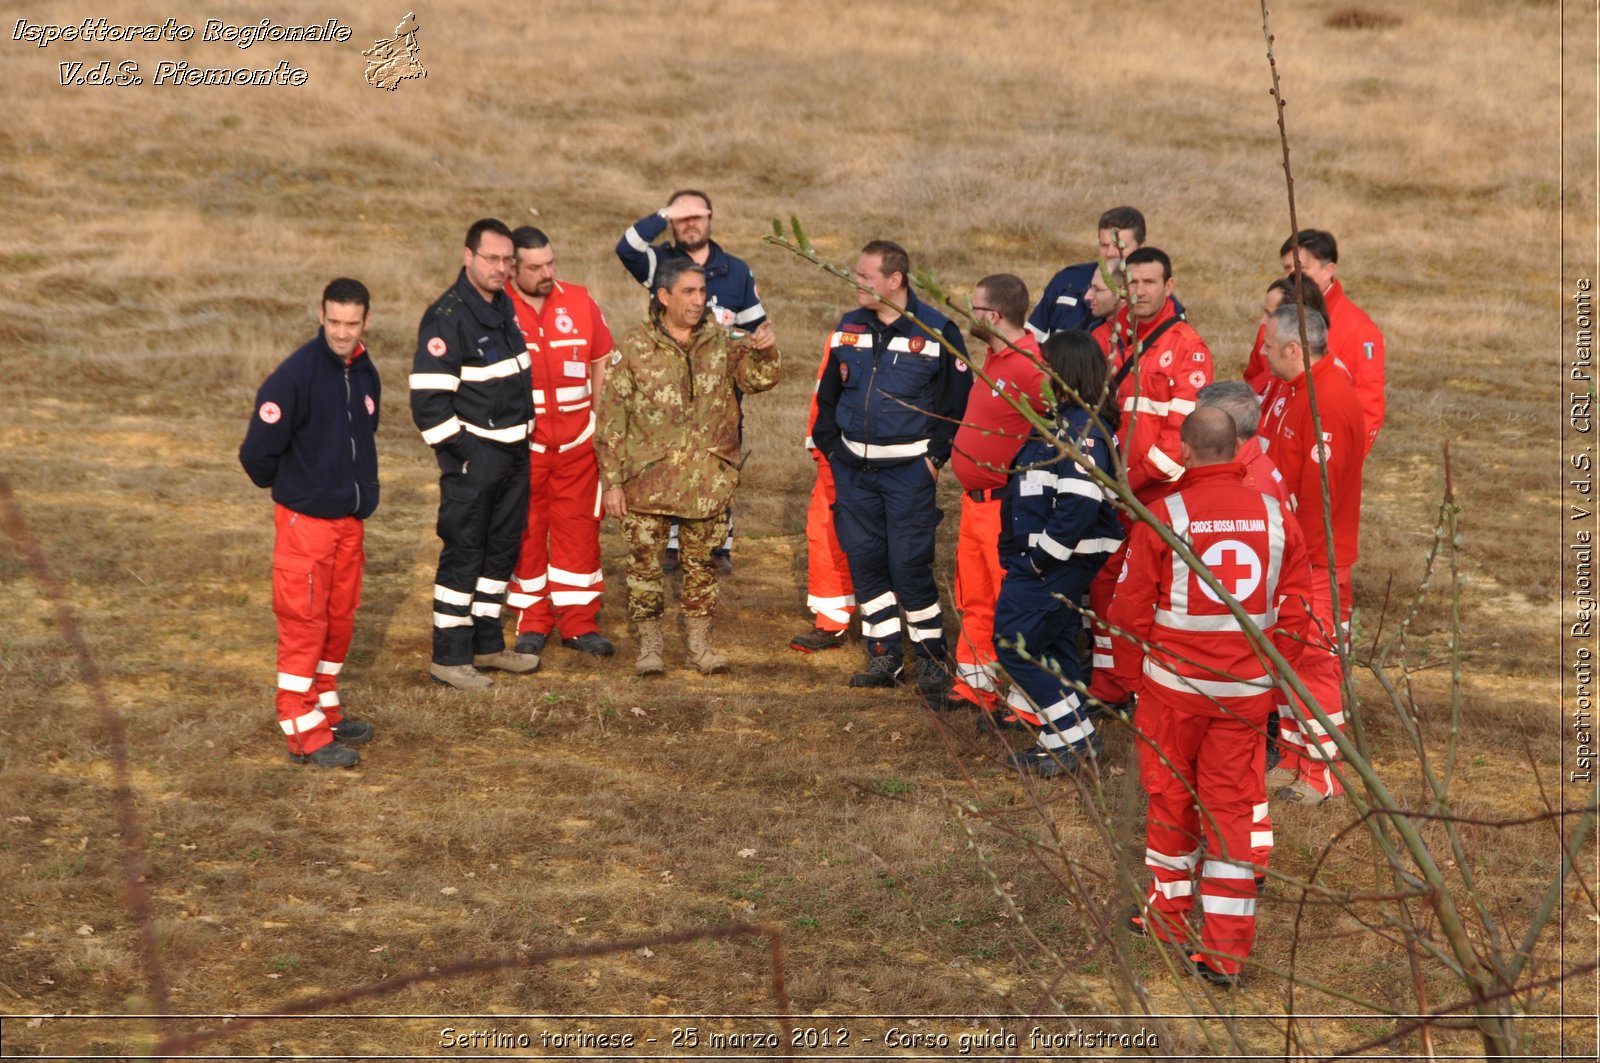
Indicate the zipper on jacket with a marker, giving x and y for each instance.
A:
(350, 422)
(866, 400)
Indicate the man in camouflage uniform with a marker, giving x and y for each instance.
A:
(667, 440)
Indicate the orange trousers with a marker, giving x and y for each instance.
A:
(316, 588)
(829, 592)
(978, 579)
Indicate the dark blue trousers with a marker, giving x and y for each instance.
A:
(1036, 641)
(886, 518)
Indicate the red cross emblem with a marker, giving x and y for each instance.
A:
(271, 413)
(372, 407)
(1236, 567)
(436, 347)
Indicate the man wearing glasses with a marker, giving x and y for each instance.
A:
(731, 298)
(472, 398)
(990, 435)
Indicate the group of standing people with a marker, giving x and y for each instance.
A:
(541, 424)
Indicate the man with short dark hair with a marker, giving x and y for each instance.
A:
(471, 398)
(991, 433)
(312, 440)
(888, 403)
(558, 581)
(668, 446)
(1064, 307)
(731, 297)
(1204, 690)
(1353, 339)
(1289, 436)
(1159, 363)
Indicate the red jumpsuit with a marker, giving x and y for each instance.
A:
(1155, 396)
(1204, 695)
(1356, 342)
(991, 433)
(557, 582)
(829, 592)
(1286, 435)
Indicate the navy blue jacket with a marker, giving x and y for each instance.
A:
(1064, 307)
(730, 286)
(892, 393)
(470, 378)
(312, 435)
(1053, 513)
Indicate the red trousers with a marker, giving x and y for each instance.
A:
(558, 583)
(1307, 749)
(316, 587)
(978, 579)
(829, 592)
(1102, 684)
(1218, 764)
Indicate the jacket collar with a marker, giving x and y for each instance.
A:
(490, 314)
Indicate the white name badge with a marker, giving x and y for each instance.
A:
(575, 370)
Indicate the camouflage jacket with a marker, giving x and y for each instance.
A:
(667, 426)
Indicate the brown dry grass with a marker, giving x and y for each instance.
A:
(164, 250)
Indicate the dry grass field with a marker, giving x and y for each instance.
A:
(163, 250)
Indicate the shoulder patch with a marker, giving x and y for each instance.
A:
(372, 407)
(1201, 355)
(1197, 379)
(271, 413)
(436, 347)
(616, 357)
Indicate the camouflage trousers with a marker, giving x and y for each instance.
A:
(646, 534)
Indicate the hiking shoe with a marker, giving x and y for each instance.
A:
(1134, 922)
(722, 564)
(1278, 778)
(460, 676)
(934, 681)
(1200, 969)
(1302, 793)
(592, 643)
(1002, 719)
(332, 755)
(508, 661)
(816, 640)
(671, 562)
(353, 732)
(883, 670)
(532, 642)
(1047, 763)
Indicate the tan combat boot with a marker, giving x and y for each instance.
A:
(649, 662)
(701, 655)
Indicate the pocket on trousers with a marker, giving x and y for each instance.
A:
(294, 588)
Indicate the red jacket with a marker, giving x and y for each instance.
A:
(992, 430)
(1199, 655)
(1259, 472)
(1356, 342)
(1156, 396)
(1286, 436)
(570, 334)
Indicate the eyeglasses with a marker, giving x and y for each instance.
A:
(498, 260)
(985, 309)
